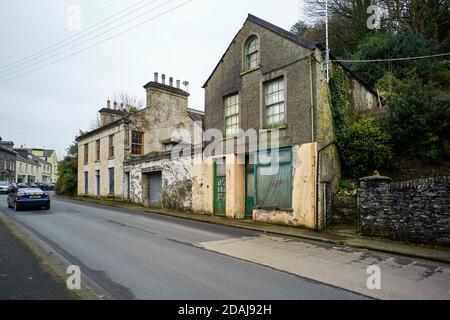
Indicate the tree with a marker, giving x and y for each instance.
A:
(419, 119)
(300, 28)
(130, 101)
(387, 45)
(67, 183)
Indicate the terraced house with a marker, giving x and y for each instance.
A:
(116, 160)
(271, 80)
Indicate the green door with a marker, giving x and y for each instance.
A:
(220, 189)
(250, 193)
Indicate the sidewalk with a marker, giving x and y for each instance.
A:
(433, 253)
(22, 275)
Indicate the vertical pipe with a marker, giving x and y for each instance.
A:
(327, 50)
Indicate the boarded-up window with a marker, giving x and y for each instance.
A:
(97, 150)
(111, 146)
(86, 183)
(274, 179)
(137, 140)
(111, 181)
(86, 153)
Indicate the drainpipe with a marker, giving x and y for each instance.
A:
(318, 171)
(312, 98)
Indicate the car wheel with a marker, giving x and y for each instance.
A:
(47, 208)
(16, 207)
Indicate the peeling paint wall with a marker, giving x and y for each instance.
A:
(181, 179)
(304, 164)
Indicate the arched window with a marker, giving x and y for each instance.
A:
(252, 53)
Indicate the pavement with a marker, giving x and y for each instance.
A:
(22, 274)
(125, 254)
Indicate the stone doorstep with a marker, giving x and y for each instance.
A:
(439, 254)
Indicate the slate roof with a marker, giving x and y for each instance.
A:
(267, 25)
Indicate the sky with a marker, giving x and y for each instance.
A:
(46, 106)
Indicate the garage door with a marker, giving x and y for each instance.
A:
(155, 189)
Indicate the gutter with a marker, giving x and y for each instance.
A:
(318, 171)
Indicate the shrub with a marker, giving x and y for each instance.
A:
(366, 147)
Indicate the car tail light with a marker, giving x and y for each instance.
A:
(45, 196)
(21, 197)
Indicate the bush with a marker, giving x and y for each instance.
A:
(418, 119)
(366, 147)
(363, 144)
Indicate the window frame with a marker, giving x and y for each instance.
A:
(141, 144)
(291, 178)
(237, 115)
(86, 182)
(97, 150)
(248, 54)
(86, 153)
(111, 150)
(111, 181)
(266, 106)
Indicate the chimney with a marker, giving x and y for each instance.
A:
(163, 79)
(178, 84)
(156, 77)
(115, 105)
(171, 81)
(108, 104)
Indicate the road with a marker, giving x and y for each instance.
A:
(125, 254)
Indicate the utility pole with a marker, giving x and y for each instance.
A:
(327, 44)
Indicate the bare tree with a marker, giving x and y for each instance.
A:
(131, 102)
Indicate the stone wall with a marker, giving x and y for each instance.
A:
(414, 211)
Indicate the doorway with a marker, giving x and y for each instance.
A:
(220, 188)
(155, 189)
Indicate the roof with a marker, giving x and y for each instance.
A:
(39, 160)
(7, 150)
(196, 115)
(47, 152)
(25, 160)
(109, 125)
(284, 33)
(269, 26)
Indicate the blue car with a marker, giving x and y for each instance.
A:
(28, 198)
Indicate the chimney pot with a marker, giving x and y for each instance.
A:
(163, 79)
(121, 106)
(156, 76)
(115, 105)
(178, 84)
(108, 104)
(171, 81)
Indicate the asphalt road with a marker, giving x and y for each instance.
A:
(128, 255)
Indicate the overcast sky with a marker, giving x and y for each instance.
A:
(46, 108)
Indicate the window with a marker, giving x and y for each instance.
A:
(111, 181)
(274, 182)
(274, 113)
(86, 183)
(251, 53)
(137, 139)
(97, 150)
(86, 153)
(231, 115)
(111, 146)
